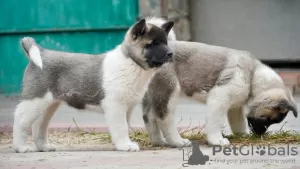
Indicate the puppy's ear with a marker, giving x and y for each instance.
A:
(285, 106)
(139, 29)
(293, 108)
(292, 104)
(167, 26)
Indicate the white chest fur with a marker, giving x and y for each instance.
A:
(123, 79)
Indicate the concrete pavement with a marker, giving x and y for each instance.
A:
(167, 159)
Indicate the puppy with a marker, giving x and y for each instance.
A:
(114, 81)
(223, 78)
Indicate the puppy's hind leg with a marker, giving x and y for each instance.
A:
(40, 129)
(26, 113)
(237, 120)
(22, 123)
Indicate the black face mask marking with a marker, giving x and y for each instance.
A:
(157, 52)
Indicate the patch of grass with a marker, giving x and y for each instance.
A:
(92, 138)
(141, 137)
(74, 138)
(280, 137)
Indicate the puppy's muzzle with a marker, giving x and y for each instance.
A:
(260, 126)
(159, 62)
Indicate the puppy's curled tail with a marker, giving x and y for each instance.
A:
(32, 50)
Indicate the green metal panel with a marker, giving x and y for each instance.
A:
(39, 15)
(92, 26)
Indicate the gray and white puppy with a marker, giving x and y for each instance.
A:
(114, 81)
(223, 78)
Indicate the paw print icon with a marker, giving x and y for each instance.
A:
(260, 150)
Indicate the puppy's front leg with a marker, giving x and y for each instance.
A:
(237, 120)
(115, 116)
(218, 104)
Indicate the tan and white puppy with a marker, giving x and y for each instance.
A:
(223, 78)
(114, 81)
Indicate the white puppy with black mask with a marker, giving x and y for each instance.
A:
(114, 81)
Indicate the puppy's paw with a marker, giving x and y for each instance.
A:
(161, 142)
(220, 142)
(130, 146)
(246, 132)
(181, 143)
(24, 149)
(224, 142)
(46, 148)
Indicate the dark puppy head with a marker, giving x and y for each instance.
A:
(268, 108)
(147, 44)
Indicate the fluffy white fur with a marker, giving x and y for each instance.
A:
(122, 92)
(217, 107)
(35, 56)
(124, 83)
(251, 84)
(38, 111)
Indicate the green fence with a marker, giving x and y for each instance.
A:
(90, 26)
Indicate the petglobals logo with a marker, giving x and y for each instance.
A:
(252, 150)
(243, 154)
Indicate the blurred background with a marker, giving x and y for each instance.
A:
(270, 29)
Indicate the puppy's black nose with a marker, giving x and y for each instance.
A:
(169, 54)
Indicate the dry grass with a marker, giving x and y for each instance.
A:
(68, 138)
(92, 138)
(280, 137)
(75, 138)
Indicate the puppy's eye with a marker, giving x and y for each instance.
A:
(277, 108)
(155, 42)
(149, 45)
